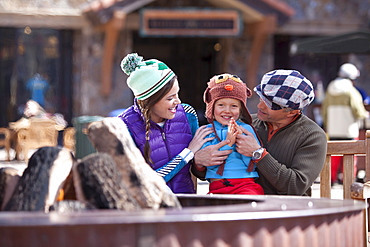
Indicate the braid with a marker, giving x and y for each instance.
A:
(146, 109)
(147, 150)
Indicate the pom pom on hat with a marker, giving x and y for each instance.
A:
(130, 63)
(285, 89)
(226, 86)
(145, 77)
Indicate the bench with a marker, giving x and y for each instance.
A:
(349, 149)
(69, 140)
(351, 189)
(5, 141)
(39, 133)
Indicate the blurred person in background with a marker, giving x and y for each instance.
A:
(38, 86)
(342, 109)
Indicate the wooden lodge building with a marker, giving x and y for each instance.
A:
(77, 46)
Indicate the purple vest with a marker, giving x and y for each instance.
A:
(165, 143)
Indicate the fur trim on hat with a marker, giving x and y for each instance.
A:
(227, 86)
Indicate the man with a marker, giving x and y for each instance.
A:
(342, 109)
(294, 146)
(38, 86)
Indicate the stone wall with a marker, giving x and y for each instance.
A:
(88, 55)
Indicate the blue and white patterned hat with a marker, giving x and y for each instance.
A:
(285, 89)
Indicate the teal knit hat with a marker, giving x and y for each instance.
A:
(145, 77)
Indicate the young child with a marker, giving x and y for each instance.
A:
(226, 111)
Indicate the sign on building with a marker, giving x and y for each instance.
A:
(190, 22)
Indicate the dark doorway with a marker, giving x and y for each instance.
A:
(28, 54)
(316, 67)
(192, 59)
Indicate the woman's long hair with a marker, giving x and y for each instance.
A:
(146, 109)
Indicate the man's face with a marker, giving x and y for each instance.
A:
(264, 113)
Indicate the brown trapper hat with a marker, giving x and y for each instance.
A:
(227, 86)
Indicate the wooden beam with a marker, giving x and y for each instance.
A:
(337, 147)
(112, 29)
(260, 32)
(43, 20)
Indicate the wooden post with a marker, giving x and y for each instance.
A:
(260, 32)
(325, 178)
(112, 29)
(367, 161)
(348, 174)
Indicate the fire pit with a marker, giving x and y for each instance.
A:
(222, 220)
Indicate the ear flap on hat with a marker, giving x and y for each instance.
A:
(207, 96)
(249, 92)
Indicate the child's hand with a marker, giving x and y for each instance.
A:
(232, 130)
(238, 129)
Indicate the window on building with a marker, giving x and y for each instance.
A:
(35, 64)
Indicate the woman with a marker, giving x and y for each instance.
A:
(165, 131)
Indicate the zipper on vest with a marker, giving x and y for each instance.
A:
(166, 144)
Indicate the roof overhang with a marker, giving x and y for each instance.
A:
(43, 18)
(100, 12)
(352, 42)
(253, 11)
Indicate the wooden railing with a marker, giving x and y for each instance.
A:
(351, 189)
(349, 149)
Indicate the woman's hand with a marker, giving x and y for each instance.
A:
(211, 155)
(199, 138)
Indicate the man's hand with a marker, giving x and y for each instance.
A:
(246, 144)
(210, 155)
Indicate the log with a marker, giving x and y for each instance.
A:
(9, 177)
(111, 136)
(39, 186)
(98, 183)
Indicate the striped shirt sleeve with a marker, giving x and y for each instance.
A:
(169, 170)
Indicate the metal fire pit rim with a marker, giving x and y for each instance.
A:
(188, 214)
